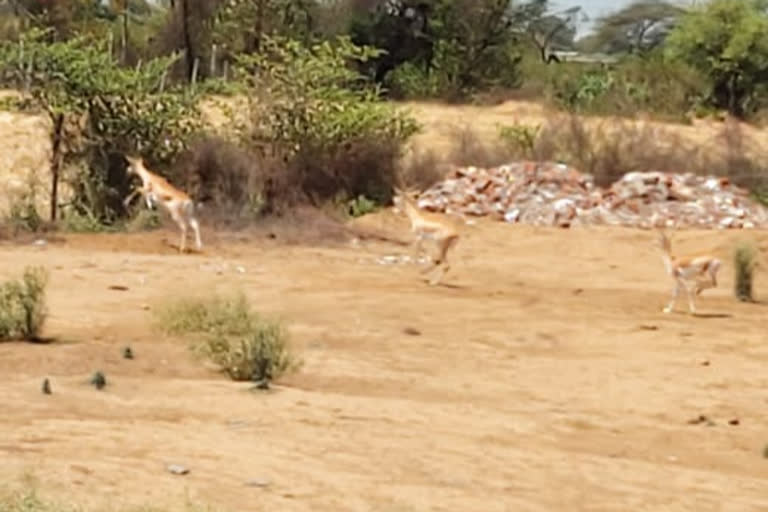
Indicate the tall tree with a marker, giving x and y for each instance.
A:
(637, 28)
(727, 40)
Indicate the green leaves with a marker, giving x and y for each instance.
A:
(312, 97)
(125, 109)
(727, 40)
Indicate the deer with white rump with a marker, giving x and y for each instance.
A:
(157, 189)
(692, 273)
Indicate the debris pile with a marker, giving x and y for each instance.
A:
(552, 194)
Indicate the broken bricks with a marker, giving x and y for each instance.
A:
(554, 194)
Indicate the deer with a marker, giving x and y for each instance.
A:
(157, 189)
(693, 273)
(440, 228)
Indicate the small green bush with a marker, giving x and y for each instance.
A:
(22, 305)
(323, 120)
(247, 346)
(744, 263)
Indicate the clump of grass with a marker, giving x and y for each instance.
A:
(144, 220)
(22, 305)
(744, 263)
(247, 346)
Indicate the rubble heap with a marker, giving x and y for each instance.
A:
(546, 193)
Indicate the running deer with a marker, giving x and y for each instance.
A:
(157, 189)
(440, 228)
(692, 273)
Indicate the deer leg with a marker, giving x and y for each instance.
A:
(131, 196)
(173, 208)
(690, 292)
(196, 228)
(673, 300)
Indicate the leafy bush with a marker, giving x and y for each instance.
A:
(22, 305)
(310, 110)
(652, 84)
(744, 264)
(451, 76)
(99, 110)
(245, 345)
(727, 41)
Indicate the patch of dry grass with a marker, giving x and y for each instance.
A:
(606, 147)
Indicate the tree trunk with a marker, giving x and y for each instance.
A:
(56, 159)
(190, 51)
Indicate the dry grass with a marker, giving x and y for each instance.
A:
(607, 148)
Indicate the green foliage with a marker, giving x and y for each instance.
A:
(450, 50)
(310, 107)
(105, 110)
(521, 137)
(22, 305)
(727, 41)
(744, 263)
(451, 77)
(652, 84)
(360, 206)
(23, 215)
(245, 345)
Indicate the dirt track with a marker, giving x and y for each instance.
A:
(545, 378)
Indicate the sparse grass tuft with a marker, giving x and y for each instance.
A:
(29, 501)
(23, 216)
(22, 305)
(247, 346)
(744, 263)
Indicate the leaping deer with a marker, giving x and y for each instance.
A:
(693, 273)
(157, 189)
(442, 229)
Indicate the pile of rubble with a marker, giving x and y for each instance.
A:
(545, 193)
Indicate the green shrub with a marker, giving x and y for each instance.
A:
(744, 263)
(22, 305)
(245, 345)
(652, 84)
(98, 111)
(323, 120)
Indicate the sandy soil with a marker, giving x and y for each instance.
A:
(544, 377)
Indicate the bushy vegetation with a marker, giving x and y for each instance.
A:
(245, 345)
(744, 264)
(22, 306)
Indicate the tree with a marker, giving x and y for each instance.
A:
(727, 41)
(547, 31)
(469, 43)
(98, 110)
(637, 28)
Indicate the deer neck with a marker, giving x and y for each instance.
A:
(144, 174)
(411, 209)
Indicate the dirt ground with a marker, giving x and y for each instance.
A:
(543, 376)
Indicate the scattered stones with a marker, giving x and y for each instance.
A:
(734, 422)
(701, 419)
(178, 469)
(46, 388)
(98, 380)
(412, 331)
(118, 287)
(401, 259)
(552, 194)
(258, 482)
(127, 353)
